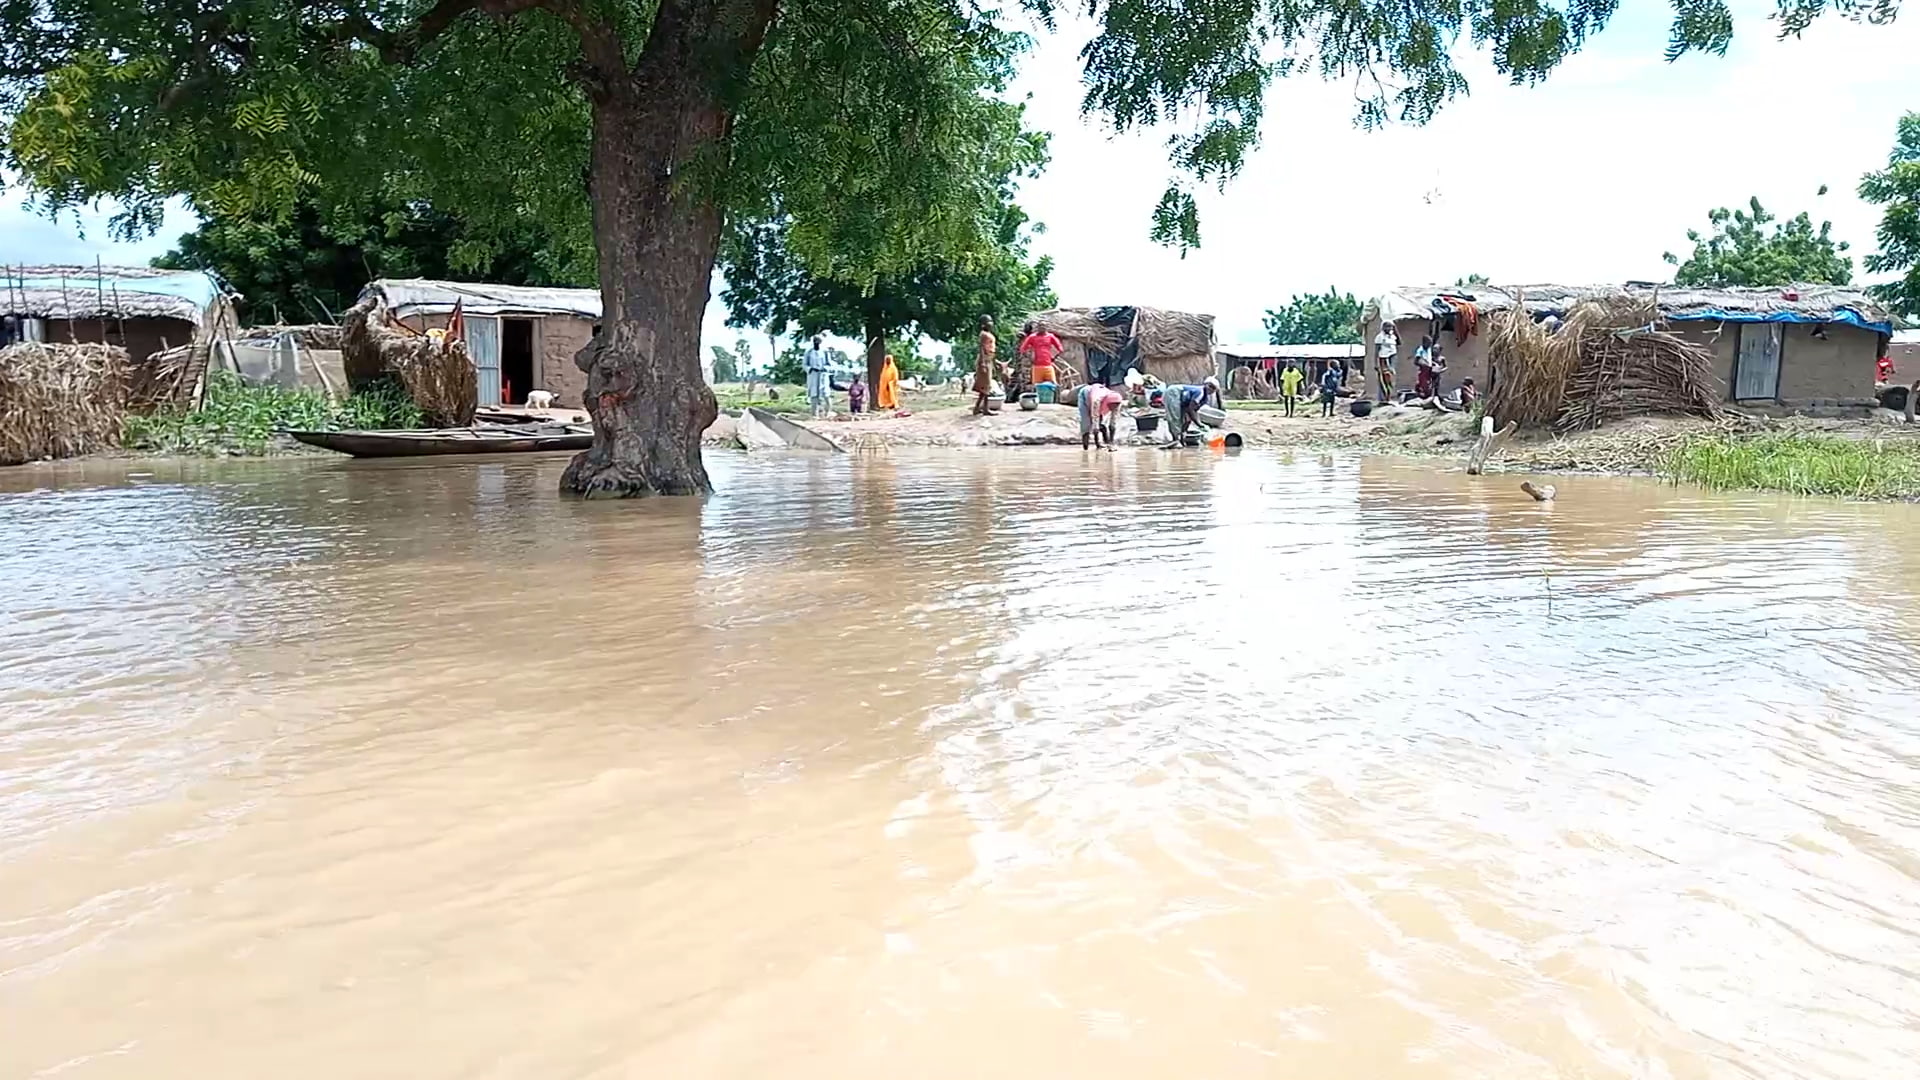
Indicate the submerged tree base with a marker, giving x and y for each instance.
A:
(591, 475)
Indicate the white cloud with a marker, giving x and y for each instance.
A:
(79, 236)
(1588, 177)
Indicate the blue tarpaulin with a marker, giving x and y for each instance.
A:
(1840, 315)
(189, 285)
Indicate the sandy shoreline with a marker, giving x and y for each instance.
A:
(1635, 446)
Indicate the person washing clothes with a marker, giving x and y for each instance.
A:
(1099, 413)
(815, 363)
(1183, 402)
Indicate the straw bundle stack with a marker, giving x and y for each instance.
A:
(438, 376)
(1609, 359)
(1532, 366)
(60, 400)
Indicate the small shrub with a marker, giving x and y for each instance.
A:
(240, 419)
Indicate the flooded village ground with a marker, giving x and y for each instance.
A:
(1003, 763)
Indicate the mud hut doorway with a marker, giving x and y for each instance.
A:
(516, 360)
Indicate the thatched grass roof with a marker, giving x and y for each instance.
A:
(107, 292)
(1161, 334)
(1786, 303)
(406, 297)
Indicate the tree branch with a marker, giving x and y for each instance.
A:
(599, 41)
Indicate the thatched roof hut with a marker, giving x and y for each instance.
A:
(144, 310)
(521, 338)
(1838, 304)
(1807, 347)
(1102, 343)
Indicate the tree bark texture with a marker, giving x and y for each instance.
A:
(658, 236)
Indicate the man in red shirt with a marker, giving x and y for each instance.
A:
(1043, 347)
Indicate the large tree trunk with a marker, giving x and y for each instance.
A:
(658, 234)
(876, 351)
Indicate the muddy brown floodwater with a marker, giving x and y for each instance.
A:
(1318, 768)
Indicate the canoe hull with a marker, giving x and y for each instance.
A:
(388, 444)
(797, 436)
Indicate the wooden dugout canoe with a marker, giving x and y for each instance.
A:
(469, 440)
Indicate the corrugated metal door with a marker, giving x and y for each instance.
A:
(1756, 374)
(483, 344)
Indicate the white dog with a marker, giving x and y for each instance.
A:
(540, 400)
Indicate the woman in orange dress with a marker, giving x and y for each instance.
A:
(886, 395)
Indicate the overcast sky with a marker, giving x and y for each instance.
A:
(1587, 178)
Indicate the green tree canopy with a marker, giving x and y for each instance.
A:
(788, 368)
(908, 357)
(729, 365)
(1750, 247)
(1897, 188)
(303, 268)
(664, 117)
(1332, 318)
(768, 286)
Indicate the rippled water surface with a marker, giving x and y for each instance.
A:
(990, 764)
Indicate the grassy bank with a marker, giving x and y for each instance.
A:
(241, 419)
(1856, 468)
(733, 397)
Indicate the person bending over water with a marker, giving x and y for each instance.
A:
(1099, 413)
(1183, 405)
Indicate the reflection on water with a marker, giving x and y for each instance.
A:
(987, 764)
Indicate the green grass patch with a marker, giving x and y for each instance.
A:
(734, 397)
(241, 419)
(1803, 464)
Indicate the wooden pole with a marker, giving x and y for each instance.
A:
(1489, 441)
(100, 296)
(119, 314)
(66, 301)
